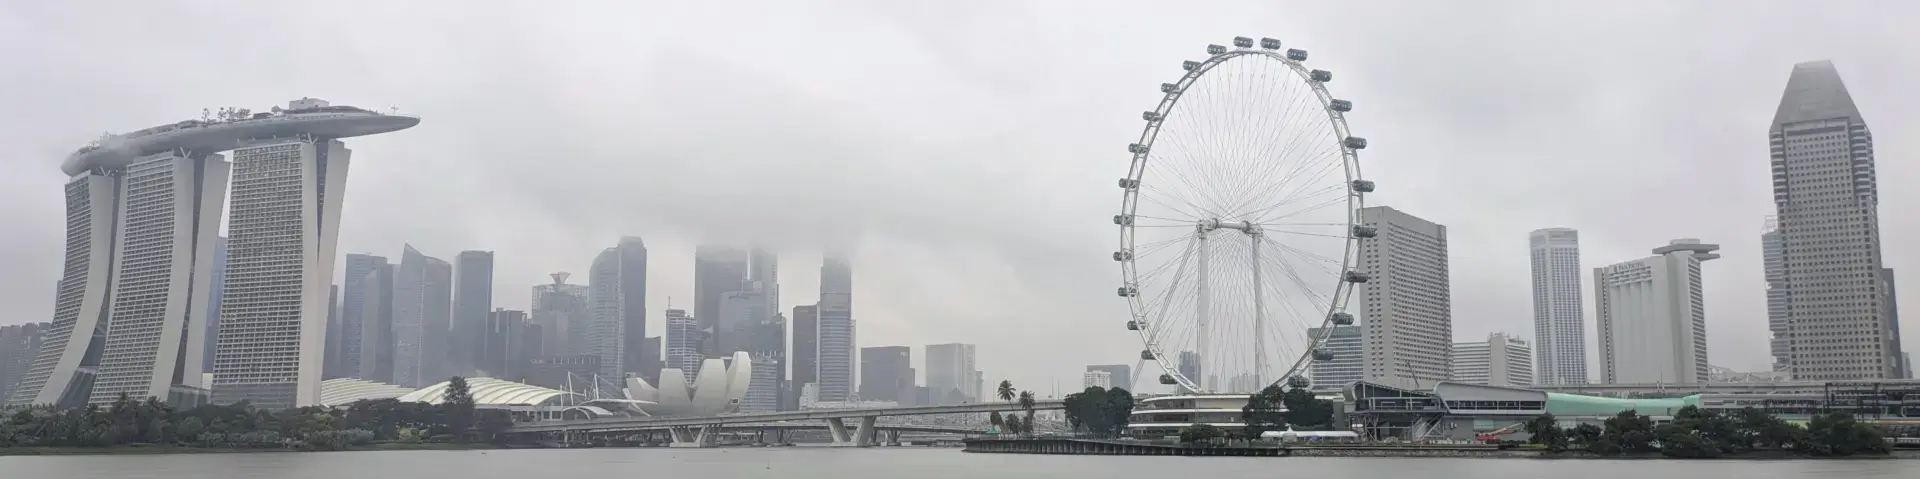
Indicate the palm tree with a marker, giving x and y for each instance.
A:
(1026, 402)
(1006, 390)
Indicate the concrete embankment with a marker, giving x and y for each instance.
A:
(1120, 447)
(1110, 447)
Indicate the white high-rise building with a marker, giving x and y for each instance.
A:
(606, 335)
(1346, 366)
(1501, 360)
(1652, 316)
(169, 222)
(1406, 306)
(1840, 325)
(1559, 325)
(951, 368)
(144, 210)
(1099, 379)
(63, 366)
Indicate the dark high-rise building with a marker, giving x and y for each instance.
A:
(375, 319)
(19, 345)
(563, 313)
(422, 311)
(1839, 326)
(717, 270)
(331, 367)
(638, 358)
(472, 311)
(1121, 374)
(511, 344)
(806, 351)
(886, 374)
(213, 305)
(566, 373)
(836, 360)
(354, 291)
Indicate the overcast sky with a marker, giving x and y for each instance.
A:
(969, 149)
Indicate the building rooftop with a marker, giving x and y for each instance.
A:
(233, 128)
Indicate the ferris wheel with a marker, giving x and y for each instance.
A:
(1240, 226)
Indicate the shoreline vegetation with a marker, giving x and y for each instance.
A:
(129, 426)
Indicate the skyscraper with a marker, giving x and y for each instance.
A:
(375, 297)
(1652, 316)
(472, 311)
(512, 343)
(1096, 379)
(563, 314)
(951, 373)
(1188, 364)
(636, 356)
(1559, 325)
(606, 337)
(806, 351)
(213, 306)
(80, 299)
(143, 213)
(1121, 375)
(353, 299)
(1774, 263)
(886, 374)
(1827, 197)
(717, 269)
(683, 343)
(283, 228)
(1346, 366)
(335, 331)
(19, 345)
(1406, 307)
(1501, 360)
(836, 361)
(422, 309)
(768, 351)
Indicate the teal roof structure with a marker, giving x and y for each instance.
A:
(1564, 405)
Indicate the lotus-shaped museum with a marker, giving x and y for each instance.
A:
(716, 389)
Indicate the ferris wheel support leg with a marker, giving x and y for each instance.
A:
(1203, 308)
(1259, 318)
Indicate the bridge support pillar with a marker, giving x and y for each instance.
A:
(893, 437)
(694, 436)
(837, 428)
(867, 432)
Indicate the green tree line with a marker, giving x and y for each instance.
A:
(1701, 433)
(240, 425)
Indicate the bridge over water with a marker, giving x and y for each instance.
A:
(702, 431)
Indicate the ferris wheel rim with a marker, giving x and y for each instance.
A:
(1355, 199)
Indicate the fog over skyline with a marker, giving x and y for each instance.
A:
(966, 152)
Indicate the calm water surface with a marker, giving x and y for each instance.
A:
(887, 463)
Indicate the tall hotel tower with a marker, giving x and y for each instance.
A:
(1407, 307)
(1559, 328)
(1837, 300)
(143, 213)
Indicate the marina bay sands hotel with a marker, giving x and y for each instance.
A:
(143, 217)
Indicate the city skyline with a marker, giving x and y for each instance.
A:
(1010, 269)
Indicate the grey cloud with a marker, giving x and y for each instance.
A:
(967, 149)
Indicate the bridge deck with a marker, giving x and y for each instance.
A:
(639, 423)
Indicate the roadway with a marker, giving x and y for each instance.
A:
(829, 415)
